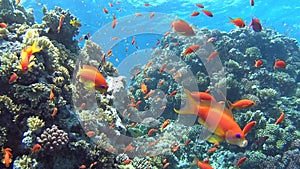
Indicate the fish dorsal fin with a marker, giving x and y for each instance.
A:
(90, 67)
(190, 105)
(219, 107)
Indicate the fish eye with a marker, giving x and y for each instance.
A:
(102, 86)
(238, 135)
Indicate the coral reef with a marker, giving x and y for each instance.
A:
(111, 129)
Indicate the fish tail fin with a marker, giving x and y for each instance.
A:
(196, 160)
(30, 65)
(35, 48)
(230, 107)
(190, 104)
(231, 20)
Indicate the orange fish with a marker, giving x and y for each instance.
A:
(26, 57)
(216, 118)
(175, 148)
(138, 14)
(110, 4)
(199, 5)
(60, 23)
(237, 22)
(279, 64)
(280, 118)
(195, 13)
(3, 25)
(82, 166)
(114, 22)
(211, 150)
(151, 15)
(18, 1)
(36, 148)
(173, 93)
(240, 161)
(51, 95)
(54, 112)
(177, 75)
(149, 94)
(161, 82)
(144, 88)
(129, 147)
(112, 125)
(148, 65)
(90, 133)
(216, 144)
(165, 124)
(202, 164)
(210, 40)
(166, 165)
(190, 49)
(207, 12)
(13, 78)
(92, 78)
(163, 67)
(198, 96)
(114, 38)
(241, 104)
(105, 10)
(109, 53)
(187, 142)
(256, 25)
(7, 155)
(81, 107)
(212, 55)
(133, 40)
(151, 131)
(248, 127)
(127, 161)
(258, 63)
(183, 28)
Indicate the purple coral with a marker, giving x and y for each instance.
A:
(53, 138)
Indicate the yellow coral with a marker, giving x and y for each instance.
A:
(35, 123)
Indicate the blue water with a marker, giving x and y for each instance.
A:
(279, 15)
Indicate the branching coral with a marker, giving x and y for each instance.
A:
(35, 123)
(25, 162)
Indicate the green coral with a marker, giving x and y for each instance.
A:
(25, 162)
(35, 93)
(267, 94)
(138, 130)
(3, 33)
(255, 159)
(35, 123)
(8, 105)
(253, 52)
